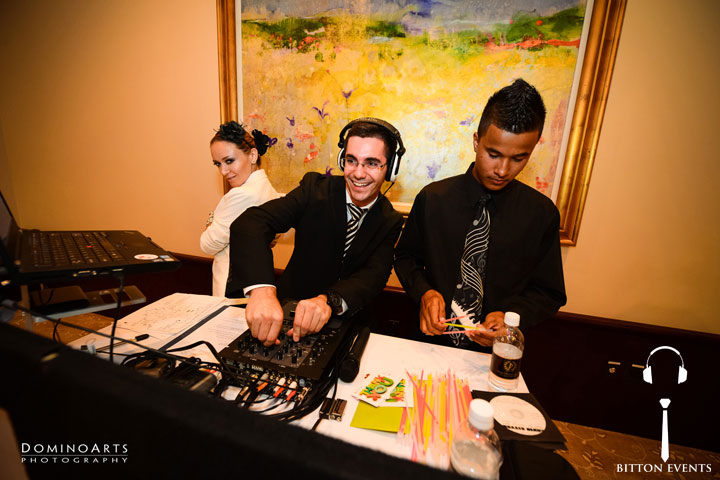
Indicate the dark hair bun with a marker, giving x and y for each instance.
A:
(231, 132)
(262, 142)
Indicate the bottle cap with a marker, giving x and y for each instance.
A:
(512, 319)
(481, 414)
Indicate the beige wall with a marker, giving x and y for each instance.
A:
(649, 243)
(106, 111)
(106, 114)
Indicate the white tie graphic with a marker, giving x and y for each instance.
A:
(665, 446)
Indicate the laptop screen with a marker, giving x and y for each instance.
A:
(6, 224)
(5, 221)
(53, 255)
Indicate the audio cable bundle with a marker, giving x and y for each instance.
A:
(290, 379)
(287, 382)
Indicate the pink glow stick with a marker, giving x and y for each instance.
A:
(403, 419)
(468, 394)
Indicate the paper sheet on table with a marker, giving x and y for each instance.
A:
(172, 314)
(121, 350)
(120, 333)
(219, 331)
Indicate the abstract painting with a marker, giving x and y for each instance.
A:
(427, 67)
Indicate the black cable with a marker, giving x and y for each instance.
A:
(55, 335)
(347, 344)
(251, 397)
(43, 302)
(388, 188)
(220, 367)
(241, 376)
(273, 407)
(121, 274)
(42, 289)
(332, 400)
(312, 394)
(221, 386)
(314, 398)
(317, 422)
(309, 404)
(13, 305)
(319, 391)
(221, 361)
(273, 384)
(244, 389)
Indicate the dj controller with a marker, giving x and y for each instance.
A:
(306, 361)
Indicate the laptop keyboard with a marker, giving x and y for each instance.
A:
(58, 249)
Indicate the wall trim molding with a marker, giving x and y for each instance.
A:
(613, 323)
(184, 257)
(635, 326)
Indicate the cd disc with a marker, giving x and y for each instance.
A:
(517, 415)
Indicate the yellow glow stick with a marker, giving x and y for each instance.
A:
(467, 327)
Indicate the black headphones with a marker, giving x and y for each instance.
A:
(393, 163)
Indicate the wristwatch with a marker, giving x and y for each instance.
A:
(335, 302)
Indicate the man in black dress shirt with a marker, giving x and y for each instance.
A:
(523, 267)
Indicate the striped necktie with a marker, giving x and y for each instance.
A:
(469, 290)
(356, 213)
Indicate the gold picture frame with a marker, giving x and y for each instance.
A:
(594, 85)
(227, 61)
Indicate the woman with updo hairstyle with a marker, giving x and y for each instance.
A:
(236, 153)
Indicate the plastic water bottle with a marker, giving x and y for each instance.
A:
(475, 449)
(507, 353)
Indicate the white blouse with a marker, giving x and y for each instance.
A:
(215, 240)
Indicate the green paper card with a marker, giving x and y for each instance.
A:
(385, 419)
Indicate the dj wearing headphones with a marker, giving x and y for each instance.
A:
(345, 231)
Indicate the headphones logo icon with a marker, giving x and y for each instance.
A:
(665, 402)
(647, 372)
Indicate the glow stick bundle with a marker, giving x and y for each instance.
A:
(441, 408)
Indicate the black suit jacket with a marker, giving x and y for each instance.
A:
(317, 211)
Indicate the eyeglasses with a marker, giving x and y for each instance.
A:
(371, 165)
